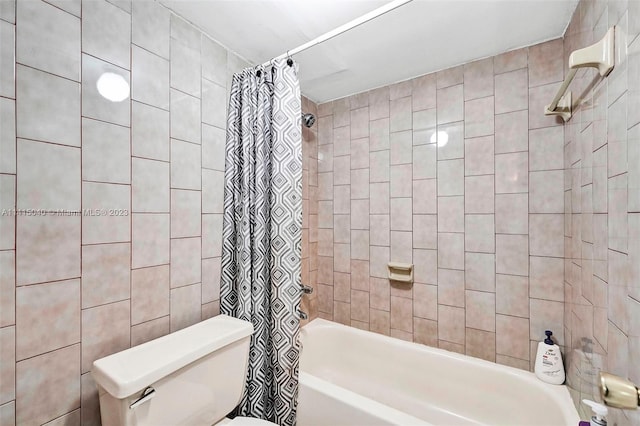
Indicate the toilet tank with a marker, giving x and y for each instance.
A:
(194, 376)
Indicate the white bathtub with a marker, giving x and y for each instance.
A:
(354, 377)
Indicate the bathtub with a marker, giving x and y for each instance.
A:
(354, 377)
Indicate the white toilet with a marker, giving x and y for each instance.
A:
(193, 377)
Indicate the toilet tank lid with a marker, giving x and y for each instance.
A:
(125, 373)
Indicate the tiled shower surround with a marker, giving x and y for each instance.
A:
(459, 173)
(75, 288)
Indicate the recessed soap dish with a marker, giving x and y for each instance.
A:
(402, 272)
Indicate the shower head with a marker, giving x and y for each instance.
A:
(308, 119)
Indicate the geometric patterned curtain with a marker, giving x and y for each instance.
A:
(262, 222)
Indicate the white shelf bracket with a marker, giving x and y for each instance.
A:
(600, 55)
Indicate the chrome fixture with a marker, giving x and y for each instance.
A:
(307, 289)
(303, 315)
(618, 392)
(146, 395)
(308, 119)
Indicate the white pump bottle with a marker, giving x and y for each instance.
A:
(599, 411)
(549, 366)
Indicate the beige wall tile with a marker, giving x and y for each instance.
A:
(512, 336)
(8, 366)
(360, 214)
(512, 213)
(106, 152)
(401, 214)
(213, 145)
(7, 287)
(214, 104)
(451, 250)
(401, 317)
(185, 213)
(150, 131)
(8, 203)
(512, 295)
(479, 194)
(511, 132)
(359, 184)
(185, 261)
(546, 192)
(50, 177)
(480, 344)
(48, 39)
(186, 165)
(401, 147)
(48, 248)
(451, 287)
(451, 214)
(149, 194)
(150, 240)
(400, 114)
(449, 77)
(96, 104)
(424, 161)
(478, 117)
(7, 134)
(211, 270)
(150, 78)
(510, 61)
(424, 92)
(113, 224)
(547, 278)
(511, 173)
(89, 401)
(451, 324)
(479, 232)
(379, 171)
(106, 330)
(185, 68)
(479, 156)
(546, 63)
(478, 79)
(378, 134)
(425, 199)
(546, 235)
(8, 54)
(425, 231)
(150, 27)
(547, 315)
(511, 91)
(425, 301)
(379, 294)
(450, 104)
(538, 98)
(149, 293)
(106, 273)
(109, 42)
(512, 254)
(379, 321)
(450, 177)
(185, 117)
(546, 149)
(55, 373)
(149, 330)
(480, 271)
(425, 331)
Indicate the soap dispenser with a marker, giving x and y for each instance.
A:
(549, 366)
(599, 412)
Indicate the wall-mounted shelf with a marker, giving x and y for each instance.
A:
(401, 272)
(599, 55)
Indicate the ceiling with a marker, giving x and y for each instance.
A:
(417, 38)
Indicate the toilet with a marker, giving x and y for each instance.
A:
(193, 377)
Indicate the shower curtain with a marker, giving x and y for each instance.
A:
(261, 253)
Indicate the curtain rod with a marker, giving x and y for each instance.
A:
(342, 28)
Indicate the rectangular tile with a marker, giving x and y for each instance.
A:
(55, 373)
(48, 248)
(49, 109)
(48, 39)
(106, 273)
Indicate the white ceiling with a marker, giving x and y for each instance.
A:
(420, 37)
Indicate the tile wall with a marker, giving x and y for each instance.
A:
(602, 206)
(459, 173)
(74, 288)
